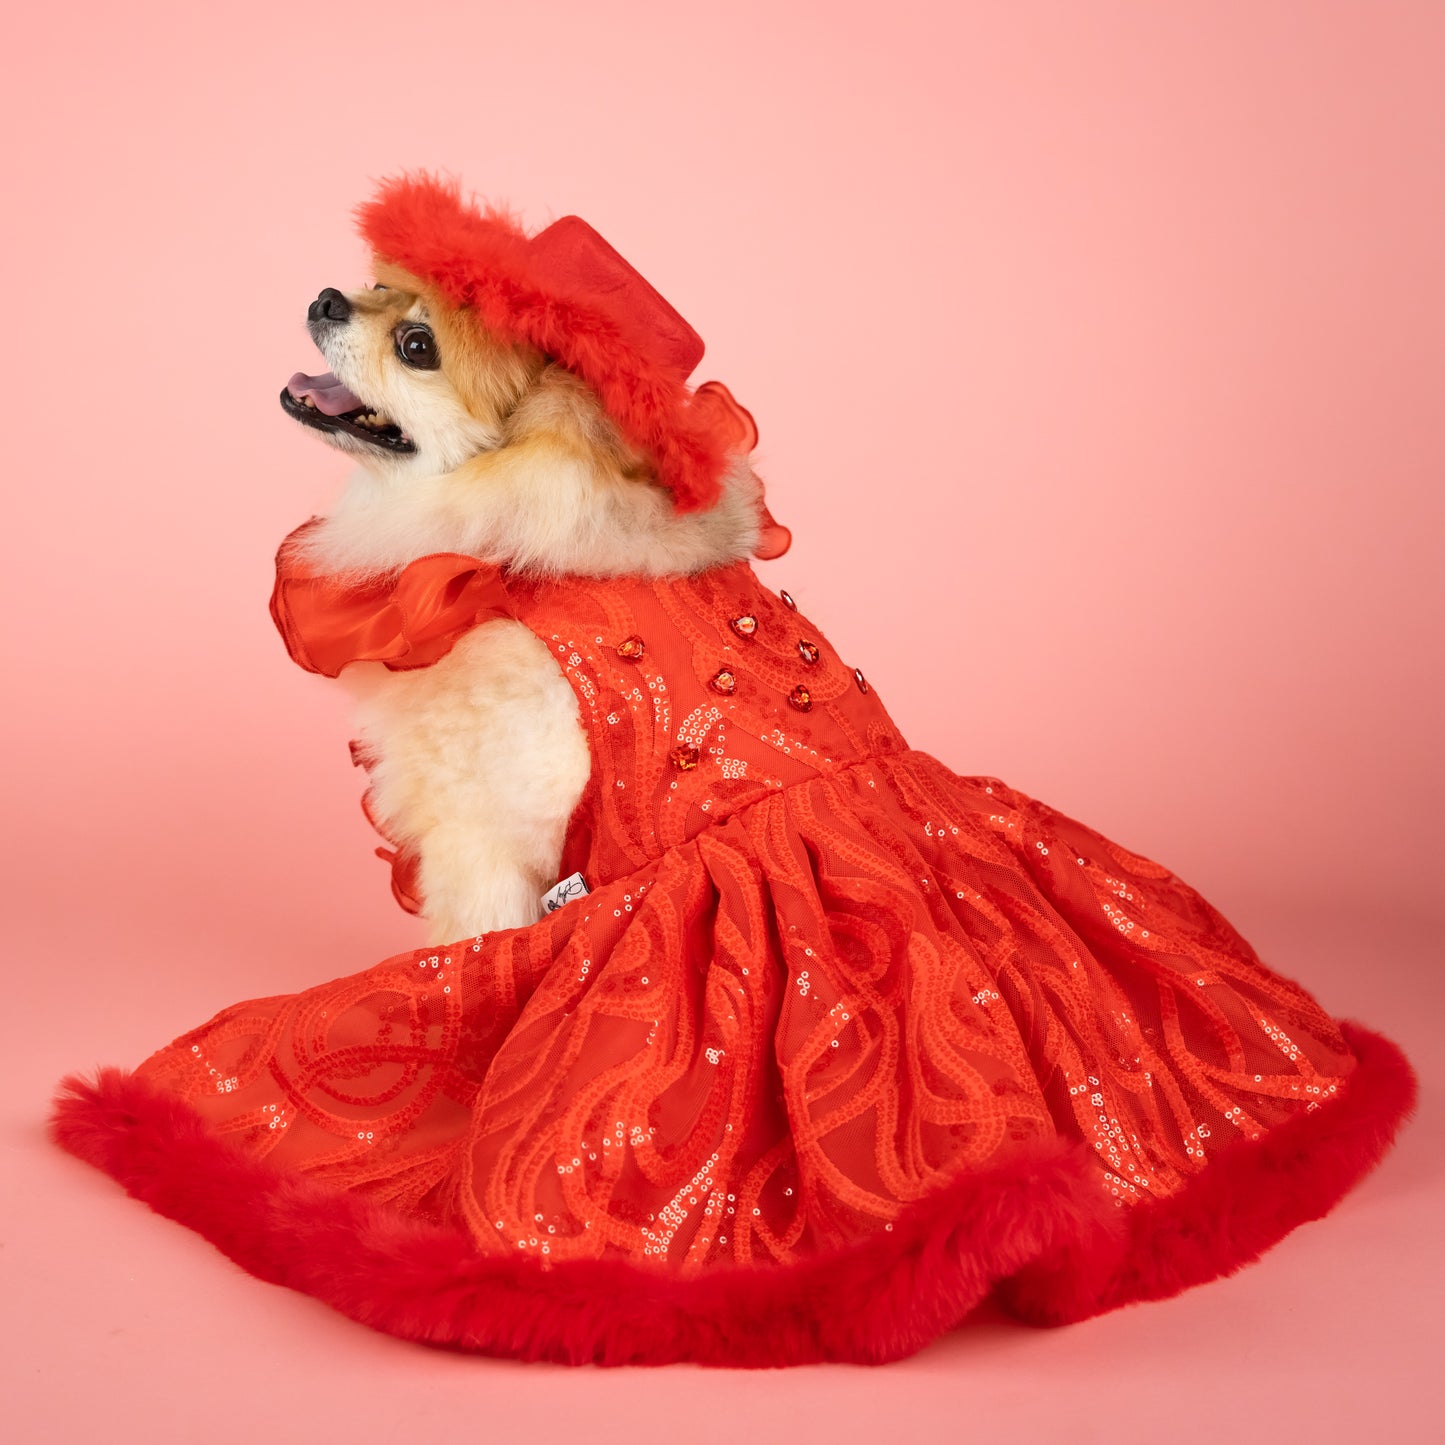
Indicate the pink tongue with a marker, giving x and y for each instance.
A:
(331, 398)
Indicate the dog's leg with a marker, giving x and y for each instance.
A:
(473, 882)
(479, 761)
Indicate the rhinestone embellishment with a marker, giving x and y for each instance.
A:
(808, 651)
(744, 626)
(801, 698)
(684, 759)
(724, 681)
(860, 679)
(788, 602)
(630, 648)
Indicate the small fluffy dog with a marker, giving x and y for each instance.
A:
(485, 448)
(840, 1046)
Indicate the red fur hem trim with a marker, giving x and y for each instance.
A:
(482, 260)
(1247, 1199)
(1040, 1225)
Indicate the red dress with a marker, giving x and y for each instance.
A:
(838, 1044)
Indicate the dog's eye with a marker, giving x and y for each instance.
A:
(417, 347)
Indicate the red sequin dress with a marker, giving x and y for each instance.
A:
(838, 1043)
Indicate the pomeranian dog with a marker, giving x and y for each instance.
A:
(472, 445)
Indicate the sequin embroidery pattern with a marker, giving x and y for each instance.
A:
(941, 971)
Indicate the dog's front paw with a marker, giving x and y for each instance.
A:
(466, 902)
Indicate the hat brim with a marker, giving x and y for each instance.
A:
(627, 345)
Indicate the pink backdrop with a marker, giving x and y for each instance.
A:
(1098, 353)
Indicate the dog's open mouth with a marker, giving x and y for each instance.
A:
(323, 402)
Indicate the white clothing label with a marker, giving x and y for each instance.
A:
(563, 892)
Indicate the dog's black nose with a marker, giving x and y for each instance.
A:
(330, 305)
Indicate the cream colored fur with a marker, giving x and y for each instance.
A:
(479, 762)
(480, 759)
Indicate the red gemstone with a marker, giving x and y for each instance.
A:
(860, 679)
(808, 651)
(801, 698)
(788, 601)
(724, 681)
(745, 625)
(630, 648)
(684, 759)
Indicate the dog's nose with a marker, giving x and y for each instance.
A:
(330, 305)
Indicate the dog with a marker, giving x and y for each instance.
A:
(471, 445)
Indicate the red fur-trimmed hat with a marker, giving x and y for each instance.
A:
(569, 294)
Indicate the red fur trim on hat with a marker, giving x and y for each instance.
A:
(878, 1301)
(480, 259)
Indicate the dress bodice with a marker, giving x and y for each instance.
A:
(699, 695)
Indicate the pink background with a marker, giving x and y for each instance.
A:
(1098, 352)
